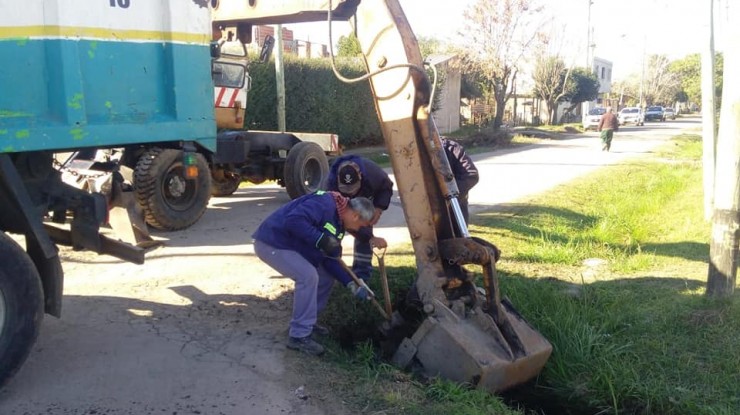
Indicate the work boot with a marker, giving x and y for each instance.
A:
(306, 345)
(320, 330)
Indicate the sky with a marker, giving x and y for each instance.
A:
(623, 30)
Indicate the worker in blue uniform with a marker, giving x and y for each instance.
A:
(354, 176)
(302, 241)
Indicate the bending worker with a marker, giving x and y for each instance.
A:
(301, 240)
(354, 176)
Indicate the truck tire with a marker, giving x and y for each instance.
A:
(171, 201)
(21, 307)
(225, 185)
(306, 168)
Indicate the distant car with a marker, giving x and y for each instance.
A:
(591, 120)
(669, 113)
(631, 115)
(655, 113)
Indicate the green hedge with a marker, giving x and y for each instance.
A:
(316, 101)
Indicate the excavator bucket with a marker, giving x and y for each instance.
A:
(474, 349)
(483, 341)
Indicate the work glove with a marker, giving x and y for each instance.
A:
(358, 291)
(329, 245)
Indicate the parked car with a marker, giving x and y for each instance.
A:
(669, 113)
(631, 115)
(591, 120)
(655, 113)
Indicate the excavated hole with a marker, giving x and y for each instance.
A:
(528, 397)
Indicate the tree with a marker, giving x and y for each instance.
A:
(431, 46)
(660, 85)
(628, 90)
(498, 34)
(551, 79)
(688, 71)
(583, 86)
(348, 46)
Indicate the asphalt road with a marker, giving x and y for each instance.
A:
(200, 328)
(510, 174)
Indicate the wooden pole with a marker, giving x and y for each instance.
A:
(280, 78)
(723, 248)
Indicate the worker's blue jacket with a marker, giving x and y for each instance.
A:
(300, 224)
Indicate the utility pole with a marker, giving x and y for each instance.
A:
(280, 78)
(709, 128)
(586, 105)
(588, 36)
(642, 74)
(725, 234)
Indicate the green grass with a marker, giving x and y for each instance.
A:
(563, 128)
(611, 269)
(610, 215)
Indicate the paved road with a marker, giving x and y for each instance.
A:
(199, 329)
(508, 175)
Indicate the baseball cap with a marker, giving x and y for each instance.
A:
(348, 178)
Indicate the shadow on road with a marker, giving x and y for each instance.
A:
(125, 355)
(230, 220)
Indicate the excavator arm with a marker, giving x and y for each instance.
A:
(465, 337)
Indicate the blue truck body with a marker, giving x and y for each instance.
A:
(68, 93)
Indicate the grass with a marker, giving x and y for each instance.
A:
(569, 128)
(611, 269)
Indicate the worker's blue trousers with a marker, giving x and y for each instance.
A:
(312, 285)
(362, 261)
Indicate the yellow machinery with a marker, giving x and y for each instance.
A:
(466, 336)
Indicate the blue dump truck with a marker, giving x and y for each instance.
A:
(143, 80)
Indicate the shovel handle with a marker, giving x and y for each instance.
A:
(361, 283)
(380, 254)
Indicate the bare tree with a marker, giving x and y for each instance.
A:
(661, 84)
(628, 90)
(499, 33)
(551, 78)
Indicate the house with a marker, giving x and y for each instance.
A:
(302, 48)
(446, 105)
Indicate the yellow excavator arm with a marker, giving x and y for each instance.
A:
(466, 336)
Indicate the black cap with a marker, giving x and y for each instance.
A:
(348, 178)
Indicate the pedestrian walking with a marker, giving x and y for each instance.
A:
(354, 176)
(608, 124)
(302, 241)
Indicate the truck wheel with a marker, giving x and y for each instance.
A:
(305, 169)
(21, 307)
(170, 200)
(225, 183)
